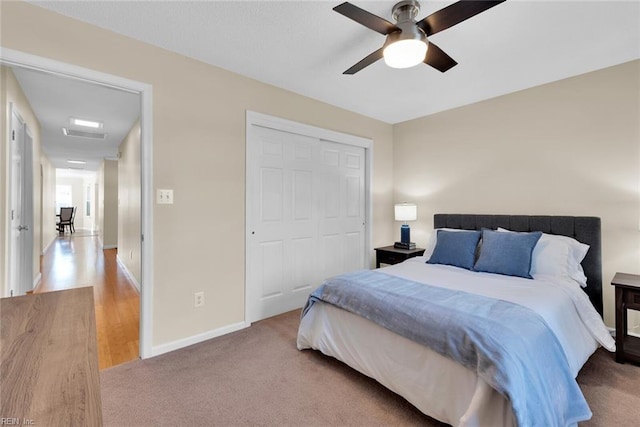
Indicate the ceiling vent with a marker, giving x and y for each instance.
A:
(83, 134)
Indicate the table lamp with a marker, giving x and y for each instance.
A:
(405, 212)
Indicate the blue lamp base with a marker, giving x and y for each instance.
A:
(405, 238)
(405, 234)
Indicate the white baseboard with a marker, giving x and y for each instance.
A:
(195, 339)
(46, 248)
(103, 246)
(37, 280)
(128, 273)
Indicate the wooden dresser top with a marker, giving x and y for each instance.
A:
(49, 360)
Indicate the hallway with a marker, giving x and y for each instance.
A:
(76, 260)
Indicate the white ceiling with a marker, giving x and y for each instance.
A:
(55, 100)
(304, 46)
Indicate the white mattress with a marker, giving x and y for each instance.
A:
(434, 384)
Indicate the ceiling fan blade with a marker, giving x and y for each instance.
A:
(454, 14)
(438, 59)
(370, 59)
(365, 18)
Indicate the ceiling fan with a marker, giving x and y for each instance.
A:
(407, 43)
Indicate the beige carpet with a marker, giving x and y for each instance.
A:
(257, 377)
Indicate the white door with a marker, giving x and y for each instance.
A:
(305, 217)
(20, 218)
(342, 208)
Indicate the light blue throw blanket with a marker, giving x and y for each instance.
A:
(508, 345)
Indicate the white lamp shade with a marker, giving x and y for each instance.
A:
(405, 53)
(406, 212)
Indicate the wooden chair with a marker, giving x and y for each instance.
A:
(65, 219)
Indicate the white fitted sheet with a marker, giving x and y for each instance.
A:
(435, 384)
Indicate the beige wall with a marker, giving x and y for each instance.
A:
(199, 152)
(567, 148)
(99, 196)
(129, 198)
(49, 232)
(107, 211)
(12, 94)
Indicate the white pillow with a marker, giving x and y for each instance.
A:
(558, 256)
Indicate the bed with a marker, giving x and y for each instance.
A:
(470, 390)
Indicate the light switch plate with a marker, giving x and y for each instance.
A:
(164, 197)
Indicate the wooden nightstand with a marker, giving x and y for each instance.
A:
(627, 298)
(392, 255)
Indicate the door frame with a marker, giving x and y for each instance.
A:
(264, 120)
(27, 208)
(16, 58)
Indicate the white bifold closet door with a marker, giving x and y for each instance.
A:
(306, 217)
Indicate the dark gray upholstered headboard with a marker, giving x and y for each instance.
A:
(585, 229)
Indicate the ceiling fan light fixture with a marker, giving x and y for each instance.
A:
(405, 53)
(406, 43)
(408, 46)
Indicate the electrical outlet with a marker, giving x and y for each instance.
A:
(164, 197)
(198, 299)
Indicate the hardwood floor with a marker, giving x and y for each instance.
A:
(76, 260)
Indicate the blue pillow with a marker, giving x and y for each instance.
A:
(456, 248)
(507, 253)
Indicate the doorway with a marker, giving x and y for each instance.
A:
(13, 58)
(20, 253)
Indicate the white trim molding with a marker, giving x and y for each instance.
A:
(127, 273)
(195, 339)
(48, 246)
(36, 281)
(254, 119)
(25, 60)
(103, 246)
(265, 120)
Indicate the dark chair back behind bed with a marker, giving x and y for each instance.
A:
(585, 229)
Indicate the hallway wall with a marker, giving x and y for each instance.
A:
(198, 130)
(107, 199)
(49, 232)
(129, 202)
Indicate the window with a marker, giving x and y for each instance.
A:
(64, 197)
(88, 210)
